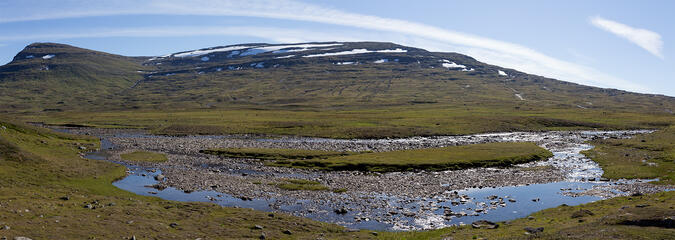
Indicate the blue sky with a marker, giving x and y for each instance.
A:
(617, 44)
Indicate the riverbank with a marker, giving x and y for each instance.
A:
(397, 200)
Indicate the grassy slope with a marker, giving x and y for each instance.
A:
(73, 78)
(644, 156)
(310, 96)
(39, 167)
(401, 121)
(143, 156)
(433, 159)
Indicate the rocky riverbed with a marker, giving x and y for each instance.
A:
(399, 200)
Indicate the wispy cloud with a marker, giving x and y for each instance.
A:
(405, 32)
(644, 38)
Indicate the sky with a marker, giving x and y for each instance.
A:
(611, 44)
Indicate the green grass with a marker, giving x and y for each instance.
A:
(378, 122)
(432, 159)
(311, 97)
(39, 167)
(143, 156)
(301, 184)
(273, 153)
(645, 156)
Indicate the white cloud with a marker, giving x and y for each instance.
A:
(644, 38)
(488, 50)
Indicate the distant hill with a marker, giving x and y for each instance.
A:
(328, 75)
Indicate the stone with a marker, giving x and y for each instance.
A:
(173, 225)
(5, 228)
(341, 211)
(89, 206)
(484, 224)
(531, 230)
(159, 177)
(287, 232)
(65, 198)
(257, 227)
(262, 236)
(582, 213)
(22, 238)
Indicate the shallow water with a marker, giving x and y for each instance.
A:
(415, 213)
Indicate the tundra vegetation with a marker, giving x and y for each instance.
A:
(47, 188)
(429, 159)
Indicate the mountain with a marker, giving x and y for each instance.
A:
(325, 75)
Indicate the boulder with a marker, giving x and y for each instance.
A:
(484, 224)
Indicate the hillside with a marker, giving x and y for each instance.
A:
(45, 79)
(48, 76)
(343, 75)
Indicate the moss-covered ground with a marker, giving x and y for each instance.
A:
(430, 159)
(47, 191)
(645, 156)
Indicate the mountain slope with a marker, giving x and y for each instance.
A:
(51, 76)
(309, 75)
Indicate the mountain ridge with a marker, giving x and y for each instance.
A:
(305, 75)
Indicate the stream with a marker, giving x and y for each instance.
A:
(373, 201)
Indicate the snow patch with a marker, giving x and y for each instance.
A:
(502, 73)
(205, 58)
(345, 63)
(283, 48)
(258, 65)
(287, 56)
(453, 65)
(197, 53)
(519, 96)
(384, 60)
(357, 51)
(48, 56)
(30, 56)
